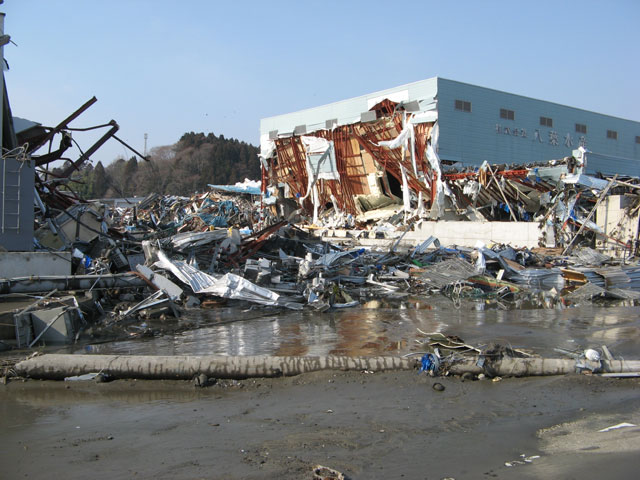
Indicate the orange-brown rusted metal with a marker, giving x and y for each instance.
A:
(357, 156)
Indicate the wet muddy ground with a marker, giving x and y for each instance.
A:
(374, 426)
(387, 425)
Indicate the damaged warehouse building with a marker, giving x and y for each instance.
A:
(444, 150)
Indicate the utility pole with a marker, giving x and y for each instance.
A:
(146, 135)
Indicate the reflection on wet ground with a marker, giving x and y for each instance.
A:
(376, 328)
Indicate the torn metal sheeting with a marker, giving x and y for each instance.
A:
(329, 259)
(623, 294)
(198, 281)
(585, 181)
(173, 291)
(585, 292)
(589, 257)
(613, 276)
(420, 249)
(237, 288)
(226, 286)
(626, 277)
(186, 240)
(446, 272)
(539, 278)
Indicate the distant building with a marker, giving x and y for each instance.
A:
(478, 124)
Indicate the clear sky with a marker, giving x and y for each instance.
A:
(167, 67)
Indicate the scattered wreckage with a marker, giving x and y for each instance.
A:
(342, 215)
(157, 256)
(143, 263)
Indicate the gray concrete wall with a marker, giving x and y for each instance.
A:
(28, 264)
(462, 234)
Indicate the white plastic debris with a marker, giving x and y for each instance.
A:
(616, 427)
(80, 378)
(524, 460)
(591, 354)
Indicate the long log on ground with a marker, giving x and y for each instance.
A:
(70, 282)
(526, 367)
(57, 367)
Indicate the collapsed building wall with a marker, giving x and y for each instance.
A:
(392, 158)
(366, 163)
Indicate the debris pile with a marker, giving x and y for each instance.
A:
(131, 276)
(378, 186)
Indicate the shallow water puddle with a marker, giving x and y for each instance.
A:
(371, 331)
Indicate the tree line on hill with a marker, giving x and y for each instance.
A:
(180, 169)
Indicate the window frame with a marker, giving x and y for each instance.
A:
(507, 114)
(546, 122)
(581, 128)
(612, 134)
(462, 105)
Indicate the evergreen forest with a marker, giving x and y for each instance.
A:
(184, 168)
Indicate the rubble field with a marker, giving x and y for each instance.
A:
(507, 237)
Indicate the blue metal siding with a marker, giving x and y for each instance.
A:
(481, 134)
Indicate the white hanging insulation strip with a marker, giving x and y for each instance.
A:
(400, 140)
(406, 198)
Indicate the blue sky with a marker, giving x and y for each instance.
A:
(166, 67)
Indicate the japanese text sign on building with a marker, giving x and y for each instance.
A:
(551, 138)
